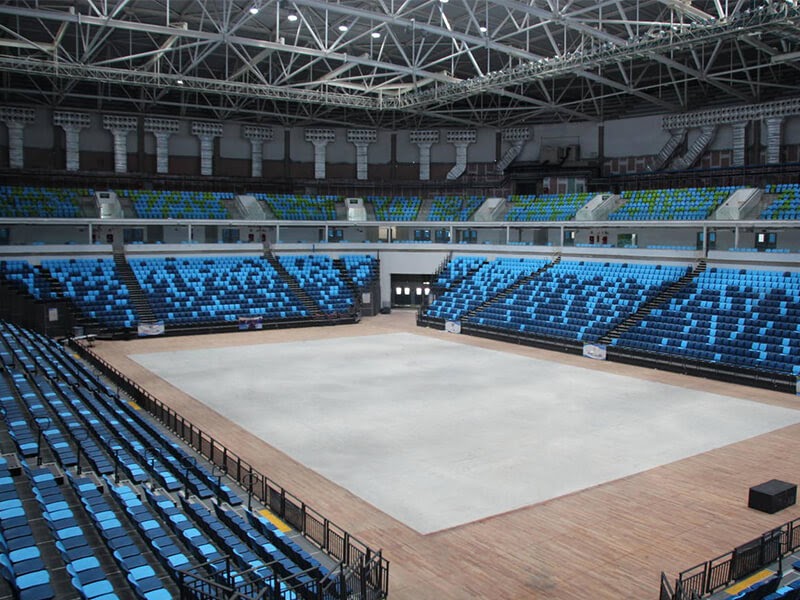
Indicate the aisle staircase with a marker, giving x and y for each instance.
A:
(514, 286)
(138, 298)
(646, 308)
(312, 308)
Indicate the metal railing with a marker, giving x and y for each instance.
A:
(714, 574)
(368, 569)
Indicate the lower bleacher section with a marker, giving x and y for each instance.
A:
(322, 281)
(736, 317)
(98, 502)
(480, 285)
(577, 300)
(737, 324)
(184, 291)
(95, 288)
(197, 292)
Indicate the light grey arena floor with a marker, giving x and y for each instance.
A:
(438, 434)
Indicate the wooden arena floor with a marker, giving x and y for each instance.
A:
(607, 541)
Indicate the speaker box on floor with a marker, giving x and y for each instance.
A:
(772, 496)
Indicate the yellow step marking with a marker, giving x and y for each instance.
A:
(134, 405)
(746, 583)
(274, 520)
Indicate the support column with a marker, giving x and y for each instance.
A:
(206, 132)
(516, 137)
(120, 127)
(461, 139)
(424, 139)
(257, 137)
(739, 137)
(774, 125)
(16, 119)
(320, 138)
(361, 139)
(161, 129)
(72, 123)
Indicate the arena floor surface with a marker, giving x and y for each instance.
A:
(464, 432)
(483, 469)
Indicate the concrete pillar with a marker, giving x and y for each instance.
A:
(774, 125)
(161, 129)
(16, 119)
(424, 139)
(739, 141)
(516, 137)
(361, 139)
(461, 139)
(257, 137)
(120, 127)
(72, 123)
(320, 138)
(206, 132)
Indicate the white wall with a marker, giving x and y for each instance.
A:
(584, 135)
(640, 136)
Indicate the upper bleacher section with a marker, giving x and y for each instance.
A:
(675, 204)
(546, 207)
(160, 204)
(397, 208)
(786, 206)
(292, 207)
(454, 208)
(42, 202)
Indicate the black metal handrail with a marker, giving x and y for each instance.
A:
(712, 575)
(369, 566)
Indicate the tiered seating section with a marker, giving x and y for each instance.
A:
(677, 204)
(198, 290)
(31, 278)
(362, 269)
(300, 208)
(108, 536)
(737, 317)
(25, 201)
(454, 208)
(787, 204)
(577, 300)
(321, 280)
(546, 207)
(213, 289)
(159, 204)
(95, 288)
(397, 208)
(479, 285)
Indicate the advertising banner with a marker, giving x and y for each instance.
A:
(148, 329)
(250, 323)
(452, 326)
(595, 351)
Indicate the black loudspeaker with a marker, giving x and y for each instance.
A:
(772, 496)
